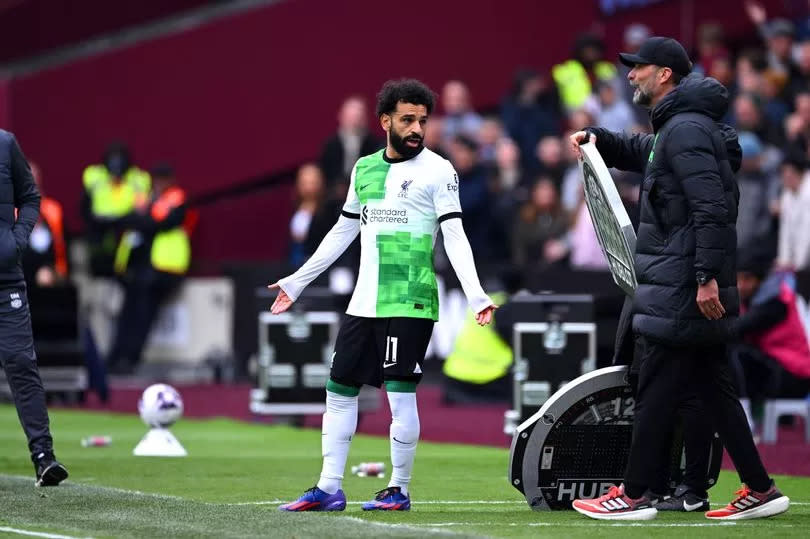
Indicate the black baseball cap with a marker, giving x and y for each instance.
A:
(660, 51)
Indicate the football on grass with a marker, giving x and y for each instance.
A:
(160, 406)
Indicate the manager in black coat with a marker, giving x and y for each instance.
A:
(19, 211)
(686, 300)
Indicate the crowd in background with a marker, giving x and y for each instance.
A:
(520, 186)
(521, 190)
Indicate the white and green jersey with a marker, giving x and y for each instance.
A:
(397, 208)
(400, 204)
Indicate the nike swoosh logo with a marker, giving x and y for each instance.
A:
(692, 506)
(386, 365)
(401, 442)
(363, 187)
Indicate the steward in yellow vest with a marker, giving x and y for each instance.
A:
(162, 230)
(112, 190)
(575, 78)
(478, 366)
(152, 258)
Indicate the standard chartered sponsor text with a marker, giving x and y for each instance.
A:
(382, 215)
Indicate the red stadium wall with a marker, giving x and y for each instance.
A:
(29, 27)
(258, 92)
(5, 104)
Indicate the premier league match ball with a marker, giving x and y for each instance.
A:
(160, 406)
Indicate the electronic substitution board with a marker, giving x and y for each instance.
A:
(576, 445)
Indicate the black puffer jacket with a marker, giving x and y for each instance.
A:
(17, 190)
(688, 212)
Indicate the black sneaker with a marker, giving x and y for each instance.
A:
(683, 499)
(49, 471)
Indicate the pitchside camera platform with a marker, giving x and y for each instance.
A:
(577, 443)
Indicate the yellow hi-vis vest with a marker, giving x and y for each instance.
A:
(171, 249)
(115, 199)
(479, 354)
(573, 83)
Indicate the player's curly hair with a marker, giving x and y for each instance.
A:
(406, 91)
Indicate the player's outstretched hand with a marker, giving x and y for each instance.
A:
(485, 317)
(283, 301)
(576, 139)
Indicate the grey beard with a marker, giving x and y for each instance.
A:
(641, 98)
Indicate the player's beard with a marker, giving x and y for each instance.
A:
(399, 145)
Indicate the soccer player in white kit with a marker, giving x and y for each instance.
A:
(398, 198)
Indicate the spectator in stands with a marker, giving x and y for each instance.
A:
(530, 112)
(794, 216)
(772, 357)
(550, 156)
(754, 224)
(711, 46)
(748, 117)
(351, 141)
(571, 188)
(112, 189)
(459, 117)
(583, 245)
(45, 261)
(310, 198)
(722, 69)
(801, 83)
(574, 76)
(473, 193)
(772, 92)
(778, 35)
(612, 112)
(433, 137)
(487, 137)
(540, 220)
(634, 35)
(507, 185)
(750, 64)
(580, 119)
(153, 257)
(797, 126)
(507, 173)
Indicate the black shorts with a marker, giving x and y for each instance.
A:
(372, 350)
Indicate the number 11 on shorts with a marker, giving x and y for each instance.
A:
(390, 352)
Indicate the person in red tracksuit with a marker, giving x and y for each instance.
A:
(772, 355)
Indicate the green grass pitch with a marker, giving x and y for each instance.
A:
(236, 474)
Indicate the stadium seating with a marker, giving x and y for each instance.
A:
(776, 408)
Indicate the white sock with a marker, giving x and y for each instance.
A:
(404, 437)
(339, 424)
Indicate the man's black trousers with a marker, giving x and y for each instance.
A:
(667, 375)
(19, 361)
(144, 292)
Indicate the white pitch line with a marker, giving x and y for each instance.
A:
(441, 502)
(411, 527)
(112, 489)
(30, 533)
(601, 524)
(418, 502)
